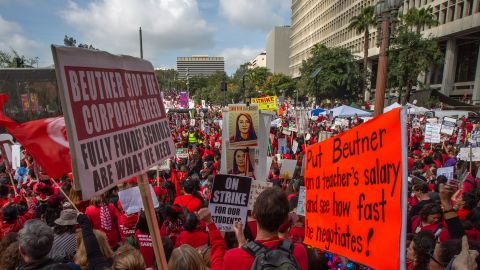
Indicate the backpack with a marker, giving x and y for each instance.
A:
(280, 258)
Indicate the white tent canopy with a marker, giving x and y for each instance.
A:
(347, 111)
(391, 107)
(412, 109)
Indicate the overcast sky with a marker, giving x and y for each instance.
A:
(235, 29)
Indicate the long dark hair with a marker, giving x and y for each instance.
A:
(251, 131)
(235, 169)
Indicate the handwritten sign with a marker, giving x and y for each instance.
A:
(182, 153)
(256, 188)
(229, 200)
(446, 171)
(465, 154)
(432, 133)
(448, 125)
(356, 186)
(132, 200)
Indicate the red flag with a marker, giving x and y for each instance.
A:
(45, 140)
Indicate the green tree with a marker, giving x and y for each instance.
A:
(256, 81)
(361, 24)
(410, 54)
(339, 76)
(276, 83)
(71, 42)
(418, 18)
(14, 60)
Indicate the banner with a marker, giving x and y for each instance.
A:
(266, 103)
(241, 162)
(243, 125)
(132, 200)
(356, 193)
(229, 200)
(256, 188)
(448, 125)
(116, 123)
(432, 133)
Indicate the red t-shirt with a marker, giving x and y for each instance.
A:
(190, 202)
(297, 234)
(93, 214)
(238, 258)
(126, 225)
(146, 247)
(196, 239)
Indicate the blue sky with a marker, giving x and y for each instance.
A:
(235, 29)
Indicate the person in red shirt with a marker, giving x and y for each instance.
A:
(190, 200)
(193, 235)
(104, 217)
(271, 210)
(142, 236)
(11, 222)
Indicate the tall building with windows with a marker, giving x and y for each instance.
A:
(259, 61)
(458, 31)
(278, 49)
(199, 65)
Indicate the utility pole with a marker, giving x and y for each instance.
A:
(141, 43)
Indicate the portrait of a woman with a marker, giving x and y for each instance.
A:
(244, 130)
(240, 163)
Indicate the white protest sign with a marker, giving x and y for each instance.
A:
(269, 164)
(448, 125)
(192, 122)
(203, 104)
(465, 154)
(255, 190)
(229, 200)
(288, 166)
(282, 145)
(6, 140)
(132, 200)
(432, 120)
(432, 133)
(301, 201)
(115, 117)
(16, 156)
(446, 171)
(295, 146)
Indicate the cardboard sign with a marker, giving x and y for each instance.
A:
(465, 154)
(288, 168)
(16, 156)
(115, 117)
(432, 133)
(356, 193)
(266, 103)
(446, 171)
(132, 201)
(182, 153)
(301, 201)
(229, 200)
(255, 190)
(243, 125)
(448, 126)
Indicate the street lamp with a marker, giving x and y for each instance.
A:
(386, 13)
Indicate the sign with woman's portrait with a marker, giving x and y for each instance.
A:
(241, 162)
(243, 125)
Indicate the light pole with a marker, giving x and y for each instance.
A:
(386, 13)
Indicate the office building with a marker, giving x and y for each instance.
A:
(278, 49)
(259, 61)
(458, 31)
(199, 65)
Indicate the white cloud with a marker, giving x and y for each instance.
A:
(254, 15)
(112, 25)
(234, 57)
(12, 37)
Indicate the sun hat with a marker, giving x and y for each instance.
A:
(67, 217)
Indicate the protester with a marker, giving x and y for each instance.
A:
(64, 242)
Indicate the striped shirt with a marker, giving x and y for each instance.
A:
(64, 246)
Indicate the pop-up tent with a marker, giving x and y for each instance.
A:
(391, 107)
(316, 112)
(347, 111)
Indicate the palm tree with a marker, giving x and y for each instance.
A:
(361, 23)
(418, 18)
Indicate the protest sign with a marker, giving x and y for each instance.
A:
(243, 125)
(183, 100)
(465, 154)
(286, 131)
(132, 201)
(448, 125)
(6, 141)
(432, 133)
(294, 146)
(229, 200)
(16, 156)
(432, 120)
(256, 188)
(182, 153)
(115, 118)
(323, 135)
(203, 104)
(241, 162)
(356, 193)
(266, 103)
(282, 145)
(301, 201)
(165, 166)
(446, 171)
(302, 120)
(288, 168)
(269, 164)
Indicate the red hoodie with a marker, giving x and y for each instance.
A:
(188, 201)
(93, 214)
(196, 239)
(146, 247)
(126, 225)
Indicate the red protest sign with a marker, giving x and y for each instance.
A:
(356, 193)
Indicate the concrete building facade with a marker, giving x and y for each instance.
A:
(259, 61)
(199, 65)
(458, 31)
(278, 49)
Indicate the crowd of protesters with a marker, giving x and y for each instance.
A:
(41, 229)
